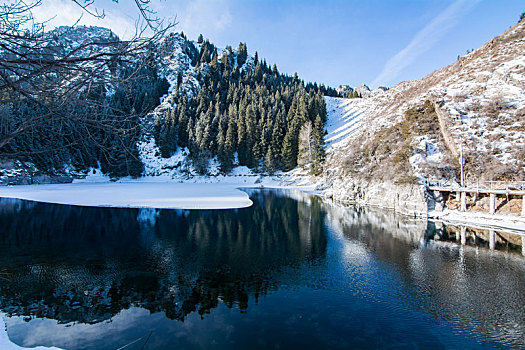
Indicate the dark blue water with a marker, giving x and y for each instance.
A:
(288, 272)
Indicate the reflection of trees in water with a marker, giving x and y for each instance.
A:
(481, 290)
(87, 264)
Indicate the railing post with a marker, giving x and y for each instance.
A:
(463, 235)
(463, 201)
(492, 203)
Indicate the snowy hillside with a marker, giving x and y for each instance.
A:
(480, 101)
(176, 109)
(174, 62)
(344, 118)
(225, 109)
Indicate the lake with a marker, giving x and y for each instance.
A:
(291, 271)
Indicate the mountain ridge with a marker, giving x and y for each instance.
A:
(484, 83)
(478, 102)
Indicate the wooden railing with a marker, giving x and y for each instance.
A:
(480, 185)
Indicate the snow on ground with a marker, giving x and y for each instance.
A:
(155, 165)
(94, 175)
(212, 192)
(485, 220)
(141, 194)
(343, 119)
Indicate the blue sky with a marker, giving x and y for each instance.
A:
(377, 42)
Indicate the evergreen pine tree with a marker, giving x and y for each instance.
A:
(242, 54)
(318, 147)
(270, 164)
(304, 156)
(289, 151)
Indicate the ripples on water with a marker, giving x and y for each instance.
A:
(290, 271)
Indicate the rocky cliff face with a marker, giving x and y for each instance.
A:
(405, 198)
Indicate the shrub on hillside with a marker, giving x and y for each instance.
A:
(385, 156)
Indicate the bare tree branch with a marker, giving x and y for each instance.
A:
(58, 78)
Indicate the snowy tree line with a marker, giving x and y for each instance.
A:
(247, 109)
(245, 113)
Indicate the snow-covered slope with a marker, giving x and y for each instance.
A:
(480, 98)
(343, 119)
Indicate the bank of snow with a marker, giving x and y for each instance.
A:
(163, 195)
(214, 192)
(480, 220)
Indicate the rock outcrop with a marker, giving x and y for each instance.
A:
(404, 198)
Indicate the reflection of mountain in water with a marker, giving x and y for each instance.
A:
(480, 289)
(86, 264)
(332, 275)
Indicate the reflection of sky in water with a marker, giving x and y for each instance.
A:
(288, 271)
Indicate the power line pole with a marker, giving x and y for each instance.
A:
(463, 193)
(461, 160)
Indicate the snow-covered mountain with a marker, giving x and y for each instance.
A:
(481, 98)
(191, 108)
(479, 103)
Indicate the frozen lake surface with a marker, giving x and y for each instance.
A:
(140, 194)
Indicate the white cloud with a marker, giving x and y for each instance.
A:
(423, 41)
(66, 12)
(194, 17)
(202, 16)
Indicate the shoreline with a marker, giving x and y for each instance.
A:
(480, 220)
(216, 192)
(454, 217)
(221, 192)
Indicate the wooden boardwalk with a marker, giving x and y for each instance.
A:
(491, 188)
